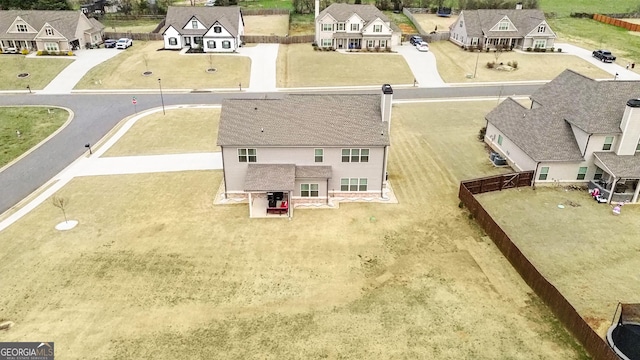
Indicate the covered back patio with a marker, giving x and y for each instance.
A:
(620, 177)
(270, 188)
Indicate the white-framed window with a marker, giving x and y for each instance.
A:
(542, 28)
(355, 27)
(247, 155)
(51, 46)
(226, 44)
(173, 41)
(582, 173)
(540, 44)
(21, 28)
(370, 43)
(217, 29)
(211, 44)
(504, 25)
(326, 43)
(309, 190)
(48, 31)
(319, 155)
(608, 141)
(194, 24)
(544, 172)
(355, 155)
(377, 28)
(353, 184)
(340, 26)
(327, 27)
(499, 139)
(383, 43)
(598, 174)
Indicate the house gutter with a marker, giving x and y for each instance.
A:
(224, 174)
(384, 170)
(535, 173)
(327, 201)
(586, 146)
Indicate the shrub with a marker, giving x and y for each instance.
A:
(45, 52)
(559, 49)
(24, 52)
(69, 53)
(39, 53)
(529, 49)
(543, 50)
(482, 133)
(488, 49)
(514, 64)
(552, 49)
(491, 64)
(509, 64)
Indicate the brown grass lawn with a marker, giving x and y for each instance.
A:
(179, 131)
(428, 22)
(266, 25)
(454, 64)
(298, 65)
(590, 255)
(133, 26)
(154, 270)
(41, 71)
(176, 71)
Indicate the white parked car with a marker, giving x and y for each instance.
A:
(423, 46)
(210, 3)
(123, 43)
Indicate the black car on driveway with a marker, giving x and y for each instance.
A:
(110, 43)
(415, 39)
(604, 55)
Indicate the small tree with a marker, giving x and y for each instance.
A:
(145, 58)
(210, 61)
(498, 52)
(61, 203)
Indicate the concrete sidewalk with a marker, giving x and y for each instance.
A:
(84, 61)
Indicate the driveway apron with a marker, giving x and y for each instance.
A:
(422, 64)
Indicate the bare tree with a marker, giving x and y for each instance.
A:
(61, 203)
(498, 52)
(145, 58)
(210, 61)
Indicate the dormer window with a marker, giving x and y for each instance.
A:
(217, 29)
(194, 24)
(542, 28)
(355, 27)
(48, 31)
(377, 28)
(340, 26)
(504, 25)
(21, 28)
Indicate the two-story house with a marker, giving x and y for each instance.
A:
(48, 30)
(305, 148)
(350, 26)
(509, 28)
(212, 29)
(577, 130)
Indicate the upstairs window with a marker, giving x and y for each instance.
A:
(608, 141)
(217, 29)
(247, 155)
(340, 27)
(327, 27)
(504, 25)
(542, 28)
(319, 155)
(377, 28)
(355, 155)
(48, 31)
(22, 28)
(194, 24)
(355, 27)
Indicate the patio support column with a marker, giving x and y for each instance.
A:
(250, 207)
(290, 209)
(613, 187)
(635, 194)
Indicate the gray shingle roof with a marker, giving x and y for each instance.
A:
(178, 16)
(593, 106)
(621, 166)
(479, 22)
(66, 22)
(303, 120)
(270, 177)
(538, 132)
(342, 12)
(97, 25)
(311, 172)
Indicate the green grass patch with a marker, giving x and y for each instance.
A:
(134, 26)
(401, 20)
(566, 7)
(41, 71)
(591, 34)
(266, 4)
(34, 124)
(301, 24)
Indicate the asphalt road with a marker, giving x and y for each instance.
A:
(96, 114)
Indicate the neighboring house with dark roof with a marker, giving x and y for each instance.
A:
(350, 26)
(305, 148)
(510, 28)
(577, 130)
(213, 29)
(48, 30)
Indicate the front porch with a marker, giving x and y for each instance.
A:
(347, 40)
(505, 43)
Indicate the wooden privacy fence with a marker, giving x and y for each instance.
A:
(273, 39)
(134, 36)
(566, 313)
(617, 22)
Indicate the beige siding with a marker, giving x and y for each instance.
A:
(458, 33)
(322, 187)
(516, 157)
(581, 138)
(630, 126)
(565, 172)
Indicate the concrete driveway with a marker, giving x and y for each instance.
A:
(263, 66)
(611, 68)
(422, 64)
(84, 61)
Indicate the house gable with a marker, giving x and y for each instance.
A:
(505, 24)
(354, 19)
(218, 30)
(194, 24)
(171, 31)
(384, 27)
(48, 32)
(546, 31)
(18, 25)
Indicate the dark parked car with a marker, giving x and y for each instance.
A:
(415, 39)
(604, 55)
(110, 43)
